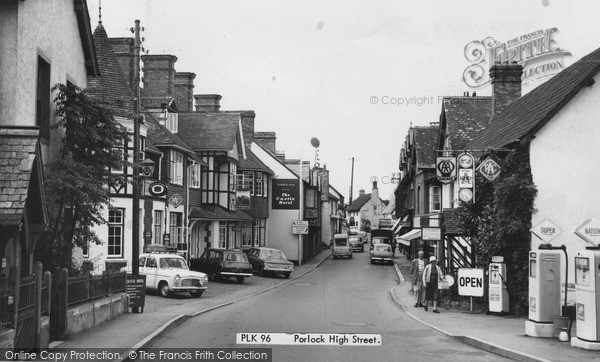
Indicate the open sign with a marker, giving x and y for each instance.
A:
(157, 188)
(470, 282)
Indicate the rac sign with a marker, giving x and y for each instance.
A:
(470, 282)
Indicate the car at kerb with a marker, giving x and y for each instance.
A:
(380, 240)
(169, 273)
(269, 261)
(382, 253)
(356, 242)
(341, 246)
(219, 263)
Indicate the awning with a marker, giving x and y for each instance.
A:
(406, 238)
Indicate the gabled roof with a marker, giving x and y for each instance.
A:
(426, 145)
(253, 163)
(209, 131)
(525, 116)
(18, 151)
(463, 118)
(111, 86)
(357, 204)
(160, 136)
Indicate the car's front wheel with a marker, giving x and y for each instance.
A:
(196, 293)
(164, 290)
(240, 280)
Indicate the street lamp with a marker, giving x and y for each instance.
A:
(147, 167)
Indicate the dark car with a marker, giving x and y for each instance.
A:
(269, 260)
(356, 242)
(218, 263)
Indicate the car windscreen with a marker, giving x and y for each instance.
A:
(173, 263)
(275, 254)
(340, 242)
(236, 257)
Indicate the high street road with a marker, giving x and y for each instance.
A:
(343, 296)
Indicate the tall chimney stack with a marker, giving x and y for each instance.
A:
(184, 91)
(207, 102)
(248, 127)
(266, 140)
(123, 49)
(506, 84)
(159, 75)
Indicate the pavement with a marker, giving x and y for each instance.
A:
(502, 335)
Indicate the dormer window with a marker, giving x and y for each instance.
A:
(172, 122)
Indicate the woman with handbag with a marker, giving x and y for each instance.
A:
(431, 275)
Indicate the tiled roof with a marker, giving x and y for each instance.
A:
(160, 136)
(216, 212)
(359, 202)
(426, 145)
(111, 86)
(17, 153)
(253, 163)
(528, 114)
(465, 117)
(209, 131)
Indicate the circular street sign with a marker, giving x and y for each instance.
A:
(465, 195)
(315, 142)
(449, 279)
(157, 188)
(465, 160)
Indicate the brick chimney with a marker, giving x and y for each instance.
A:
(207, 102)
(248, 127)
(159, 75)
(361, 193)
(506, 84)
(266, 140)
(184, 91)
(123, 49)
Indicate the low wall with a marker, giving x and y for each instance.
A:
(7, 338)
(88, 315)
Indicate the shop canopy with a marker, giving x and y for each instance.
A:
(406, 238)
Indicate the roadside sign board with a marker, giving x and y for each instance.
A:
(470, 282)
(546, 230)
(590, 231)
(136, 290)
(428, 233)
(299, 227)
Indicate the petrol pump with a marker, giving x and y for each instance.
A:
(544, 290)
(497, 292)
(587, 296)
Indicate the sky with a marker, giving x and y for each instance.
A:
(353, 74)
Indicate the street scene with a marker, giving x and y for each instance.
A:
(291, 181)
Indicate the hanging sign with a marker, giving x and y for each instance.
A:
(445, 169)
(489, 168)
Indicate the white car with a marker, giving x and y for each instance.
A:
(382, 253)
(169, 273)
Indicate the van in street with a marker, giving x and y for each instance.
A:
(341, 246)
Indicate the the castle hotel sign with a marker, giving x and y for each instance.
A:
(535, 51)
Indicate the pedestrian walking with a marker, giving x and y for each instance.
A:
(431, 275)
(417, 267)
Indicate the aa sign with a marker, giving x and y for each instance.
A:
(445, 169)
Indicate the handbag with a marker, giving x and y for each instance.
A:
(443, 284)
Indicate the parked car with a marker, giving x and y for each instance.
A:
(269, 260)
(169, 273)
(382, 253)
(356, 243)
(218, 263)
(341, 246)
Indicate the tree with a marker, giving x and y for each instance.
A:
(500, 219)
(77, 183)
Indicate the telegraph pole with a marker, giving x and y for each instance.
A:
(135, 244)
(351, 181)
